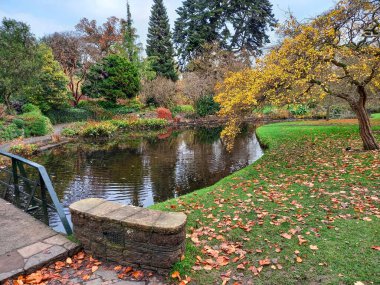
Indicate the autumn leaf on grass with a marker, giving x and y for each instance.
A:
(264, 262)
(313, 247)
(375, 247)
(185, 281)
(286, 235)
(222, 260)
(240, 266)
(298, 259)
(176, 275)
(301, 240)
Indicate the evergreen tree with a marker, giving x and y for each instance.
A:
(129, 45)
(114, 77)
(159, 43)
(237, 26)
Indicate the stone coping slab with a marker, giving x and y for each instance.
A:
(131, 216)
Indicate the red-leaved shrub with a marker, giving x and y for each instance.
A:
(163, 113)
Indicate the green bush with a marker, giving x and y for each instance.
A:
(298, 110)
(69, 115)
(103, 129)
(10, 132)
(187, 109)
(140, 124)
(206, 105)
(27, 108)
(36, 124)
(115, 77)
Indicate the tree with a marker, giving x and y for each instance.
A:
(48, 90)
(102, 39)
(75, 57)
(129, 48)
(336, 54)
(159, 42)
(115, 77)
(234, 25)
(18, 59)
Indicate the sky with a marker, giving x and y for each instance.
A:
(48, 16)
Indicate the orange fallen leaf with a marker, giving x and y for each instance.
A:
(264, 262)
(69, 260)
(80, 255)
(175, 275)
(138, 275)
(86, 277)
(375, 247)
(286, 235)
(299, 259)
(240, 266)
(313, 247)
(117, 268)
(128, 269)
(94, 268)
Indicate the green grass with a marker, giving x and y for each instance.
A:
(375, 116)
(306, 183)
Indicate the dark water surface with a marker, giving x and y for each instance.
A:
(142, 171)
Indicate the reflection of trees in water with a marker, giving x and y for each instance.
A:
(140, 171)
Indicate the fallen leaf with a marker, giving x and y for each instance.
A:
(94, 268)
(69, 260)
(176, 275)
(138, 275)
(264, 262)
(299, 259)
(286, 235)
(375, 247)
(313, 247)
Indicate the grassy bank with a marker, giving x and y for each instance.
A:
(308, 211)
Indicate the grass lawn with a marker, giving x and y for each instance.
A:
(306, 213)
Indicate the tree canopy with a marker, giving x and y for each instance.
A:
(234, 25)
(336, 54)
(159, 42)
(115, 77)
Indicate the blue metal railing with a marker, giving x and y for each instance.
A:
(31, 202)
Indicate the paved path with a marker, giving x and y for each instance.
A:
(27, 244)
(37, 140)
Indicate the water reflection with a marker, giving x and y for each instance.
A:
(143, 171)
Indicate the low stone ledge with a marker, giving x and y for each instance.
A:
(129, 235)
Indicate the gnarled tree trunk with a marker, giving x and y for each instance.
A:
(369, 141)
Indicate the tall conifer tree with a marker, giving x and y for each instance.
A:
(131, 48)
(159, 42)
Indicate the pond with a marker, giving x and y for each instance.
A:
(147, 168)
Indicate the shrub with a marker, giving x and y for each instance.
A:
(206, 105)
(115, 77)
(159, 92)
(24, 150)
(36, 124)
(298, 110)
(186, 109)
(69, 115)
(101, 129)
(140, 124)
(10, 132)
(163, 113)
(27, 108)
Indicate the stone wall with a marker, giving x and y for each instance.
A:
(129, 235)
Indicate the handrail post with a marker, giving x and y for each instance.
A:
(44, 199)
(15, 181)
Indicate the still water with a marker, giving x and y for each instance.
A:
(145, 169)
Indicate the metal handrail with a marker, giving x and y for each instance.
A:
(44, 182)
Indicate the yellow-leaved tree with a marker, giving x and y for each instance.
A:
(336, 54)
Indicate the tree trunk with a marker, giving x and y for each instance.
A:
(369, 141)
(328, 112)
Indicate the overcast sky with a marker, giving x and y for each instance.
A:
(48, 16)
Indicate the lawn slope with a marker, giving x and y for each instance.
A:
(305, 213)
